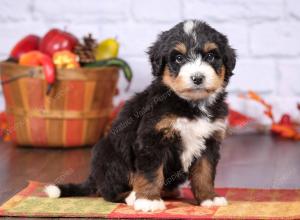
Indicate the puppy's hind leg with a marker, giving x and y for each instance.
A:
(113, 181)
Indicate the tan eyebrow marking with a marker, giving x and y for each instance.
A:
(181, 48)
(208, 46)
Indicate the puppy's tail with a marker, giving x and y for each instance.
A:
(86, 188)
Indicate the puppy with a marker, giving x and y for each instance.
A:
(171, 131)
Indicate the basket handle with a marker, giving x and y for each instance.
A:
(31, 73)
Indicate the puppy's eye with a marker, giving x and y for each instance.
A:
(179, 59)
(210, 57)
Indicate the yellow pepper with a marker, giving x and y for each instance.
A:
(65, 59)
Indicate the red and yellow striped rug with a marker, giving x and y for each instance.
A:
(243, 204)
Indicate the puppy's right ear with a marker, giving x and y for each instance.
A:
(156, 57)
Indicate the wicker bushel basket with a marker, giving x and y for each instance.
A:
(74, 114)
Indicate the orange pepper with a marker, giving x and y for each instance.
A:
(31, 58)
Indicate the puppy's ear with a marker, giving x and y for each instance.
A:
(229, 59)
(156, 57)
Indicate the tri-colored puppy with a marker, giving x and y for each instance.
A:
(172, 130)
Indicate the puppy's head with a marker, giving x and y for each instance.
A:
(193, 59)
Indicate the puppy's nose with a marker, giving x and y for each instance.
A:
(197, 80)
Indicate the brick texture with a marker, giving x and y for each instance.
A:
(265, 34)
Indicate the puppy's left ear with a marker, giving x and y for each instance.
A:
(156, 58)
(229, 60)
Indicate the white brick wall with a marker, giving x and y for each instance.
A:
(266, 34)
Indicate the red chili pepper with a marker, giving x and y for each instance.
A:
(28, 43)
(49, 69)
(36, 58)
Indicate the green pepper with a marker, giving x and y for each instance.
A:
(116, 62)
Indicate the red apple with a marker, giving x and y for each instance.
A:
(56, 40)
(28, 43)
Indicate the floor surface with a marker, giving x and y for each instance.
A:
(255, 161)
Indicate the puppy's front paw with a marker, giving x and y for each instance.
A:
(217, 201)
(147, 205)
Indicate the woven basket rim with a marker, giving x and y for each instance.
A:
(40, 68)
(90, 73)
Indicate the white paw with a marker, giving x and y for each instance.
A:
(220, 201)
(146, 205)
(52, 191)
(207, 203)
(217, 201)
(130, 199)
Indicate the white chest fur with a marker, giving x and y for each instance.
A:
(193, 134)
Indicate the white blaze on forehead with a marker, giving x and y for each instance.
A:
(188, 28)
(197, 67)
